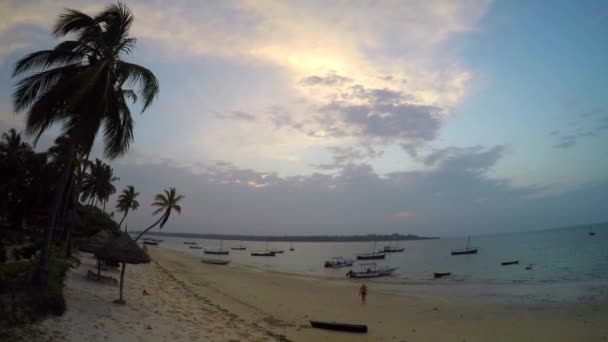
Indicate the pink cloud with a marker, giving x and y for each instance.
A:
(403, 215)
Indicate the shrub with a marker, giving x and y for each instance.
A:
(93, 219)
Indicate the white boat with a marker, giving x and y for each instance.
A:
(337, 262)
(215, 261)
(371, 270)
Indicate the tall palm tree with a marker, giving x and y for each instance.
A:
(97, 184)
(166, 203)
(80, 84)
(126, 202)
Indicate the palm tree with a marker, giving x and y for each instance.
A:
(166, 203)
(126, 202)
(80, 84)
(97, 184)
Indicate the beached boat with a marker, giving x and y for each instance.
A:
(441, 274)
(371, 270)
(338, 262)
(195, 247)
(356, 328)
(466, 250)
(215, 261)
(217, 251)
(507, 263)
(267, 253)
(189, 242)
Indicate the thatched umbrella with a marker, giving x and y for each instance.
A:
(124, 250)
(94, 243)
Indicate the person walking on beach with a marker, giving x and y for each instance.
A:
(363, 293)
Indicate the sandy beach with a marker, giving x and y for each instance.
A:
(192, 301)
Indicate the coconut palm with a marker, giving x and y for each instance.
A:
(97, 183)
(127, 202)
(166, 203)
(81, 84)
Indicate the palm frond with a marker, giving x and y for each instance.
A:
(47, 58)
(74, 21)
(140, 77)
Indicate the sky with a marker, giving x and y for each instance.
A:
(441, 118)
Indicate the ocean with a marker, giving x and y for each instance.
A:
(558, 256)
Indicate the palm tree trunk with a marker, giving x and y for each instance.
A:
(152, 226)
(103, 206)
(41, 274)
(68, 248)
(124, 265)
(123, 218)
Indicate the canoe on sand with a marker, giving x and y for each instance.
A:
(356, 328)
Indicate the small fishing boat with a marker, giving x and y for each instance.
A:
(466, 250)
(371, 270)
(189, 242)
(195, 247)
(215, 261)
(371, 256)
(529, 267)
(441, 274)
(338, 262)
(507, 263)
(239, 247)
(277, 251)
(392, 249)
(151, 243)
(591, 232)
(266, 254)
(291, 246)
(217, 251)
(356, 328)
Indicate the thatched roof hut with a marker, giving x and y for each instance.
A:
(123, 249)
(96, 241)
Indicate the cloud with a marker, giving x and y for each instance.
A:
(589, 124)
(403, 215)
(343, 156)
(330, 79)
(567, 141)
(235, 115)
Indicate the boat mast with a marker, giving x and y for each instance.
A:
(468, 239)
(221, 242)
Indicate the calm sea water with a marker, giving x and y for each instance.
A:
(557, 255)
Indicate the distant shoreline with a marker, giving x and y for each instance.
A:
(295, 238)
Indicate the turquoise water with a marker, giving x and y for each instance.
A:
(558, 255)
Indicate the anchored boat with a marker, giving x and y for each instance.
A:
(371, 270)
(338, 262)
(217, 251)
(466, 250)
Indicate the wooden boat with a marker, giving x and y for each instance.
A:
(371, 256)
(217, 251)
(441, 274)
(195, 247)
(267, 253)
(466, 250)
(189, 242)
(291, 246)
(393, 249)
(277, 251)
(152, 243)
(507, 263)
(591, 232)
(529, 267)
(371, 270)
(338, 262)
(355, 328)
(240, 247)
(215, 261)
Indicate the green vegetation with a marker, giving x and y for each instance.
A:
(22, 303)
(93, 219)
(299, 238)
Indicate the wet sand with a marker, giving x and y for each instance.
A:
(193, 301)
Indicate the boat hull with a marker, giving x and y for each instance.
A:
(393, 250)
(217, 252)
(370, 256)
(268, 254)
(239, 248)
(372, 274)
(507, 263)
(216, 261)
(466, 251)
(195, 247)
(355, 328)
(335, 265)
(441, 274)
